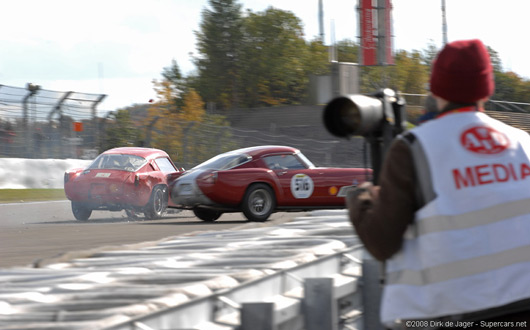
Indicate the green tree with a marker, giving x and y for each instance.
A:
(511, 87)
(171, 87)
(273, 58)
(495, 59)
(408, 75)
(317, 58)
(218, 43)
(175, 82)
(429, 54)
(411, 75)
(347, 51)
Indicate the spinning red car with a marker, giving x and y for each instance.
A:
(132, 179)
(261, 180)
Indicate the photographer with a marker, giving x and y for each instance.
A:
(451, 213)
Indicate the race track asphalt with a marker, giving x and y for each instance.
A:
(39, 233)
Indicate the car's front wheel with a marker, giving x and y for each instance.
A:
(259, 202)
(207, 214)
(80, 211)
(157, 204)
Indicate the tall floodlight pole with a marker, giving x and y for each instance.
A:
(444, 24)
(321, 20)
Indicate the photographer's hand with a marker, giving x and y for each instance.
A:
(361, 198)
(381, 214)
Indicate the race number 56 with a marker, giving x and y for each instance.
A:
(302, 186)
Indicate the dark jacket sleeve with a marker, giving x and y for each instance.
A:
(380, 220)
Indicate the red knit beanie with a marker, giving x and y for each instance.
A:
(462, 72)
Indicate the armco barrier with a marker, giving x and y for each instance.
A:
(321, 294)
(304, 274)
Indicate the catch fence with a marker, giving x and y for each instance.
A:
(39, 123)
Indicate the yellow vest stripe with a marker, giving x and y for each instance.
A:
(485, 216)
(462, 268)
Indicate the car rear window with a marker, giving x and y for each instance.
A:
(224, 161)
(129, 163)
(165, 165)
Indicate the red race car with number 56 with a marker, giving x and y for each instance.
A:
(133, 179)
(261, 180)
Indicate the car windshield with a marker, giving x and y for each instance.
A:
(224, 161)
(304, 159)
(129, 163)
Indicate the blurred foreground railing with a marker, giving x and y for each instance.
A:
(319, 295)
(310, 273)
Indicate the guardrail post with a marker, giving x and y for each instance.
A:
(320, 305)
(258, 316)
(95, 132)
(372, 289)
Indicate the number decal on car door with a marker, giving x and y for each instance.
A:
(301, 186)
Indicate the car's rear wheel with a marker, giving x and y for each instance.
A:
(207, 214)
(259, 202)
(80, 211)
(157, 204)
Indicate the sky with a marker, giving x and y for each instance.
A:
(117, 47)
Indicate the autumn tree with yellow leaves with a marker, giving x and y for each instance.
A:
(178, 123)
(162, 116)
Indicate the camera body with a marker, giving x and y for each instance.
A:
(378, 117)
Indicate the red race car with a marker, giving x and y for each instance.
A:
(132, 179)
(261, 180)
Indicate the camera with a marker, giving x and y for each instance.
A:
(378, 117)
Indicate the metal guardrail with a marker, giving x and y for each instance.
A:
(318, 295)
(493, 105)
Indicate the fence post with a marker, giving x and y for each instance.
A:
(258, 316)
(320, 306)
(149, 131)
(33, 89)
(95, 119)
(57, 107)
(372, 290)
(185, 140)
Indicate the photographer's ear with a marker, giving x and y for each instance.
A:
(441, 103)
(431, 104)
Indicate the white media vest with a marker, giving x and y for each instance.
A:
(469, 247)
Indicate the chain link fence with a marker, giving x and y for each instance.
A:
(38, 123)
(200, 141)
(415, 104)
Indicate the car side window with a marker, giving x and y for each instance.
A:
(283, 162)
(165, 165)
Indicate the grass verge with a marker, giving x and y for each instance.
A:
(27, 195)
